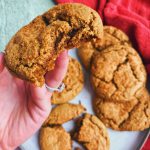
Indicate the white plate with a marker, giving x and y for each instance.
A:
(119, 140)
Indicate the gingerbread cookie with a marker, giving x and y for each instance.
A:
(92, 133)
(54, 138)
(133, 115)
(85, 53)
(63, 113)
(32, 51)
(74, 81)
(112, 36)
(117, 73)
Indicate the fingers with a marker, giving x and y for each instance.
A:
(40, 98)
(1, 61)
(39, 93)
(55, 77)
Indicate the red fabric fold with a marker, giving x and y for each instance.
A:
(146, 145)
(131, 16)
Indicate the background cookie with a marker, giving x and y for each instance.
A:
(54, 138)
(85, 53)
(63, 113)
(74, 81)
(117, 73)
(92, 133)
(133, 115)
(112, 36)
(34, 48)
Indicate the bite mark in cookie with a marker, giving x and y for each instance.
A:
(112, 36)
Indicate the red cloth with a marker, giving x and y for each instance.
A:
(146, 145)
(131, 16)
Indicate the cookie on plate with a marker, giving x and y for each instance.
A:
(54, 138)
(92, 133)
(117, 73)
(74, 81)
(132, 115)
(85, 53)
(63, 113)
(112, 36)
(32, 51)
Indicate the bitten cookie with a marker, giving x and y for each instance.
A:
(132, 115)
(92, 133)
(54, 138)
(74, 81)
(117, 73)
(32, 51)
(63, 113)
(112, 36)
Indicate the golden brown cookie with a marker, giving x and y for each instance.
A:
(74, 81)
(85, 53)
(54, 138)
(32, 51)
(92, 133)
(63, 113)
(112, 36)
(132, 115)
(117, 73)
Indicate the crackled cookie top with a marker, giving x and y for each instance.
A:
(33, 50)
(74, 81)
(63, 113)
(117, 73)
(112, 36)
(54, 138)
(92, 133)
(131, 115)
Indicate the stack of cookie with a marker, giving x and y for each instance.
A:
(32, 52)
(119, 79)
(53, 135)
(117, 75)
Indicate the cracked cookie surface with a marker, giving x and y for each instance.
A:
(63, 113)
(92, 133)
(112, 36)
(132, 115)
(54, 138)
(117, 73)
(32, 51)
(74, 81)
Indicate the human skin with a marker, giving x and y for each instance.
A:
(24, 107)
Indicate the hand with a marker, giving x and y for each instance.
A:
(23, 106)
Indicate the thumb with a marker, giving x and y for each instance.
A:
(55, 77)
(40, 100)
(1, 61)
(39, 95)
